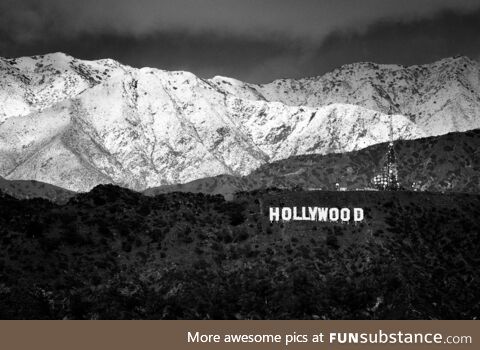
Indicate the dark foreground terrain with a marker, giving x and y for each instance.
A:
(116, 254)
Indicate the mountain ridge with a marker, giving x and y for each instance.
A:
(105, 122)
(447, 163)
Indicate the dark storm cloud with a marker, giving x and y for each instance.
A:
(311, 19)
(254, 40)
(416, 42)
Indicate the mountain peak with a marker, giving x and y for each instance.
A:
(76, 123)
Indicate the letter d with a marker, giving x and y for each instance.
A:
(358, 214)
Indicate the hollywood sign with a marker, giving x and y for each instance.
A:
(316, 214)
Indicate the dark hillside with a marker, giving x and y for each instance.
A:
(25, 189)
(116, 254)
(447, 163)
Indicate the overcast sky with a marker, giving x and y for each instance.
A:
(252, 40)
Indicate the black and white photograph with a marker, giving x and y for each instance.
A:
(240, 160)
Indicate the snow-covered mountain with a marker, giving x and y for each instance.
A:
(76, 124)
(441, 97)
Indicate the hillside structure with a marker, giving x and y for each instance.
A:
(387, 179)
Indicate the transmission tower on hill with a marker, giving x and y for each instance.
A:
(387, 179)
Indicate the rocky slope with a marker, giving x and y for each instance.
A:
(76, 124)
(440, 97)
(447, 163)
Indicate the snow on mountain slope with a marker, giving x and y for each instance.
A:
(441, 97)
(30, 84)
(76, 124)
